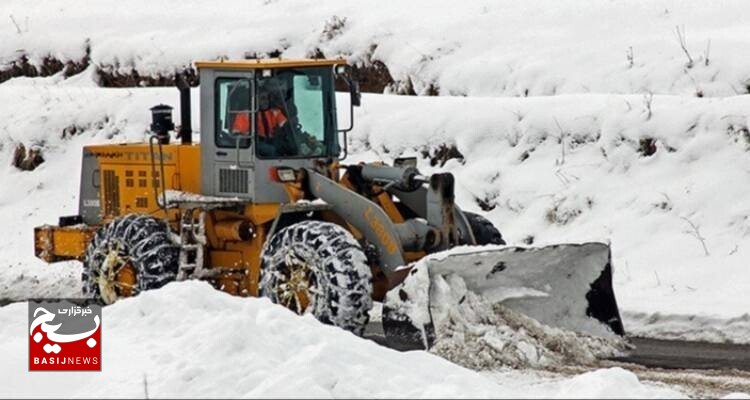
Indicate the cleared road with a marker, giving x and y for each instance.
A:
(675, 354)
(654, 353)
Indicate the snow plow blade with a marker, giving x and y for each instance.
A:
(567, 286)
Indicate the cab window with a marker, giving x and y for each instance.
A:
(233, 114)
(308, 97)
(293, 118)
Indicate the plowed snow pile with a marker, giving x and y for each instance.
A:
(188, 339)
(482, 336)
(485, 320)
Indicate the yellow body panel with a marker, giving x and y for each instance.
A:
(234, 255)
(54, 243)
(129, 168)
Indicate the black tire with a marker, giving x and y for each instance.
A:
(483, 230)
(143, 242)
(334, 267)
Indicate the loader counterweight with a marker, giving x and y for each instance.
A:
(62, 243)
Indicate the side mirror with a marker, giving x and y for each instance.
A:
(355, 100)
(354, 93)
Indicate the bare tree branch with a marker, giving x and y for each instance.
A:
(708, 51)
(18, 28)
(648, 98)
(696, 233)
(630, 56)
(681, 38)
(561, 161)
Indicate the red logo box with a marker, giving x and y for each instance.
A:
(65, 335)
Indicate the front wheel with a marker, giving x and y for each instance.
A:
(318, 267)
(130, 254)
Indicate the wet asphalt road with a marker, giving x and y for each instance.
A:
(672, 354)
(655, 353)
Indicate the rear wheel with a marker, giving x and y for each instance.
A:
(319, 268)
(483, 230)
(128, 255)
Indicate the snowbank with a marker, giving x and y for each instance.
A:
(485, 48)
(189, 340)
(689, 327)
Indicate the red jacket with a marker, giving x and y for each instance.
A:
(267, 121)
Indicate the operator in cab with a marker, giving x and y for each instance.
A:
(269, 120)
(275, 133)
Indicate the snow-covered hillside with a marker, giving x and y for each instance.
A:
(188, 340)
(484, 48)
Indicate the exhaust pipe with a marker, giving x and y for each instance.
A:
(186, 130)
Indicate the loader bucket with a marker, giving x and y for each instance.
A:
(566, 286)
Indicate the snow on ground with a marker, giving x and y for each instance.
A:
(689, 327)
(481, 48)
(562, 168)
(189, 340)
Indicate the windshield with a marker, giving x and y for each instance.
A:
(293, 114)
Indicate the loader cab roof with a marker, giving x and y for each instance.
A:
(268, 63)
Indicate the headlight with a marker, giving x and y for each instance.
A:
(283, 174)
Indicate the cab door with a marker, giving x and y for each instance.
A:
(226, 133)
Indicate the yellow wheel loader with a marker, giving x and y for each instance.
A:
(264, 206)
